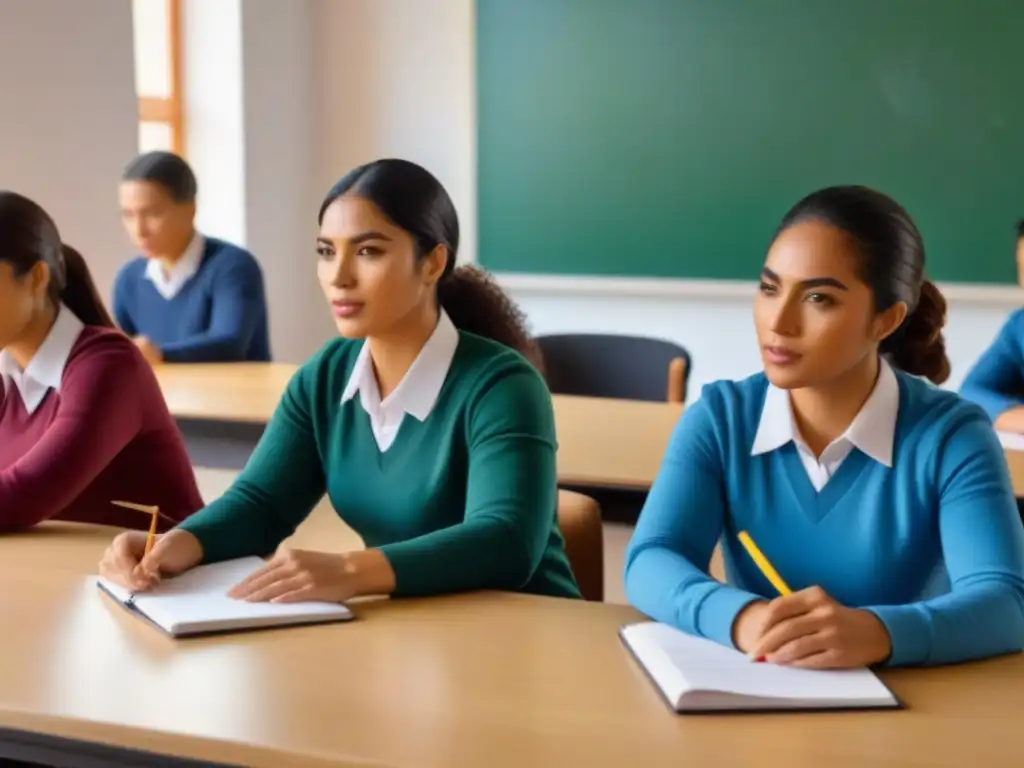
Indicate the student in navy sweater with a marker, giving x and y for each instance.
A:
(996, 381)
(883, 502)
(188, 298)
(82, 419)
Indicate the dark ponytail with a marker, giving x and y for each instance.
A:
(476, 303)
(79, 293)
(28, 236)
(891, 264)
(918, 346)
(414, 200)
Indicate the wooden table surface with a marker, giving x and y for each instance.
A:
(243, 392)
(469, 680)
(606, 442)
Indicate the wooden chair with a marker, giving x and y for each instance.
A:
(609, 365)
(579, 518)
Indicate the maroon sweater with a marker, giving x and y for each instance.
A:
(105, 435)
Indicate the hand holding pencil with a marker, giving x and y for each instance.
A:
(807, 628)
(137, 560)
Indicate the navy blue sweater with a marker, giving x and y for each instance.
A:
(220, 315)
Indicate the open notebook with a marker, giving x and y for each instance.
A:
(196, 602)
(698, 675)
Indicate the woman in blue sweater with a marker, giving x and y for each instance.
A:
(883, 502)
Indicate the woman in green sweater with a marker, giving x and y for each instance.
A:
(425, 425)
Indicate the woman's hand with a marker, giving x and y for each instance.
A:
(296, 575)
(809, 629)
(173, 552)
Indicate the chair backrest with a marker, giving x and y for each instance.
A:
(608, 365)
(579, 518)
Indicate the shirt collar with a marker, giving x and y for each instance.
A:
(170, 283)
(45, 370)
(419, 389)
(872, 431)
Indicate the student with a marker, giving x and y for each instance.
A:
(187, 298)
(996, 381)
(884, 502)
(82, 420)
(431, 433)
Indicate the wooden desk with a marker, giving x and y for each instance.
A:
(469, 680)
(222, 410)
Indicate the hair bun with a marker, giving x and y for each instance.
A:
(918, 346)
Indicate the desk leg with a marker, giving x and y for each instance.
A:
(220, 444)
(34, 750)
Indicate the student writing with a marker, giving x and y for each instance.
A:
(431, 433)
(82, 419)
(883, 501)
(996, 380)
(187, 298)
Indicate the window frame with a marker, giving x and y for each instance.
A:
(170, 110)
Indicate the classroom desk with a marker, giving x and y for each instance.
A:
(223, 408)
(469, 680)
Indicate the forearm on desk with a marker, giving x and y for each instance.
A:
(983, 553)
(475, 554)
(984, 620)
(1011, 420)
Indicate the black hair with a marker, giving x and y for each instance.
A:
(415, 201)
(892, 264)
(28, 236)
(166, 169)
(1019, 226)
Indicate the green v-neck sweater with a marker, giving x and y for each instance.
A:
(466, 499)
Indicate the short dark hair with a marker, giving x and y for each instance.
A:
(167, 170)
(415, 201)
(892, 264)
(29, 236)
(1019, 226)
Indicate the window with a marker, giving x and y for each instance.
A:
(157, 27)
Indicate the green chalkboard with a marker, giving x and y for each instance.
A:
(666, 138)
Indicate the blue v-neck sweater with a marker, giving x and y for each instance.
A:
(933, 545)
(219, 316)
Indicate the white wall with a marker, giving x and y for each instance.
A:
(68, 117)
(283, 166)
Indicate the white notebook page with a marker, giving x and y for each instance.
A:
(200, 596)
(707, 666)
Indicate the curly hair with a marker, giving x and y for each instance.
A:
(413, 199)
(476, 303)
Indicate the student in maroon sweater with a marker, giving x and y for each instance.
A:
(82, 419)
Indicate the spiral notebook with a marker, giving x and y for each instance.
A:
(196, 602)
(697, 675)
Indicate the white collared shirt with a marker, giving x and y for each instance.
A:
(46, 368)
(418, 390)
(169, 283)
(872, 431)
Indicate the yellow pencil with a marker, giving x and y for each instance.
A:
(762, 562)
(154, 511)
